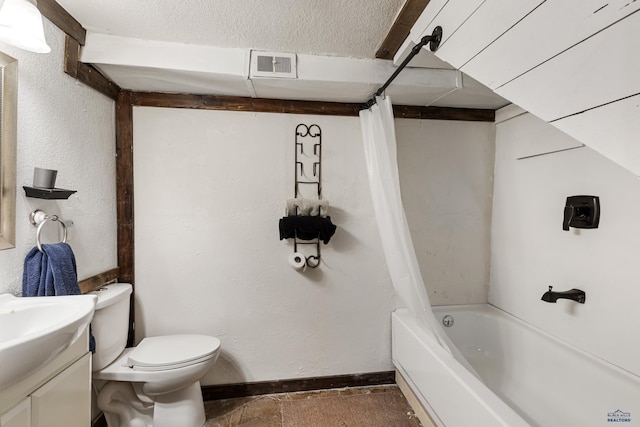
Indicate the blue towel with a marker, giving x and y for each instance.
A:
(51, 272)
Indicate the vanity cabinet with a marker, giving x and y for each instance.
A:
(19, 416)
(66, 399)
(57, 394)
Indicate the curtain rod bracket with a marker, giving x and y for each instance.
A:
(435, 38)
(434, 43)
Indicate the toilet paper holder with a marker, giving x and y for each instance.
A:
(311, 261)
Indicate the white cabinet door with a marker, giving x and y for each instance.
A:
(65, 401)
(19, 416)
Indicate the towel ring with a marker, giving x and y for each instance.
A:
(40, 218)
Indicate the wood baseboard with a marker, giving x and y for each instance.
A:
(228, 391)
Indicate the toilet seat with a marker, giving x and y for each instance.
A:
(171, 352)
(163, 359)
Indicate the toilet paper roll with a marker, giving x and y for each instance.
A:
(297, 260)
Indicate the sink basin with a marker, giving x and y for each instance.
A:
(34, 330)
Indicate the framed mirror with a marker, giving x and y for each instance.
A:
(8, 137)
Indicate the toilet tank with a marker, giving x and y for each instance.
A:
(110, 324)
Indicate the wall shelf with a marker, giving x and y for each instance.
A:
(48, 193)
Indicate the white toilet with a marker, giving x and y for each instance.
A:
(156, 383)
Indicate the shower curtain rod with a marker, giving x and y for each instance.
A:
(434, 42)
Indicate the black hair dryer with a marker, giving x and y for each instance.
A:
(581, 212)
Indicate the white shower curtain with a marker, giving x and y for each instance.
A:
(379, 137)
(378, 134)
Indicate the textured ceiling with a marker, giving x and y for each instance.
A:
(351, 28)
(319, 29)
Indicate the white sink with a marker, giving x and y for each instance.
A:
(34, 330)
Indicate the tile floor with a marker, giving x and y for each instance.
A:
(377, 406)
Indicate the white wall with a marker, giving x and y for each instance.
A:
(67, 126)
(210, 187)
(530, 251)
(446, 173)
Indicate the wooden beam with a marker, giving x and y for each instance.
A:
(94, 282)
(444, 113)
(124, 185)
(236, 103)
(93, 78)
(75, 37)
(55, 13)
(401, 27)
(86, 73)
(71, 56)
(124, 197)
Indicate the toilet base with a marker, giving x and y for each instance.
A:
(183, 408)
(123, 406)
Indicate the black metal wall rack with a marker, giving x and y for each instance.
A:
(308, 182)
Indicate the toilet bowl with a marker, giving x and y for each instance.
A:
(156, 383)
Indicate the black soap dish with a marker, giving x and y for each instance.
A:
(48, 193)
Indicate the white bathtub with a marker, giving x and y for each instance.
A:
(528, 377)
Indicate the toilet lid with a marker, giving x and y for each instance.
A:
(172, 351)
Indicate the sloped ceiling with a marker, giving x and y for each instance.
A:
(584, 83)
(344, 35)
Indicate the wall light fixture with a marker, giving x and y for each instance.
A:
(21, 26)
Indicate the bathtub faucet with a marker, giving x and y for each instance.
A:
(572, 294)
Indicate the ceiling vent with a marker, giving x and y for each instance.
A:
(270, 64)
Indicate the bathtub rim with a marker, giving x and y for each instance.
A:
(464, 380)
(581, 352)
